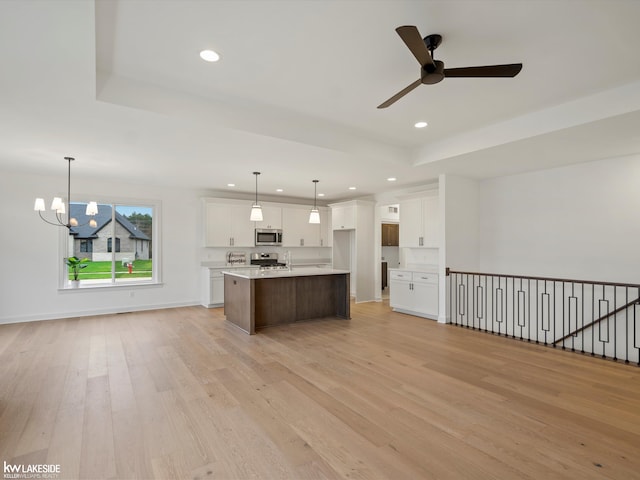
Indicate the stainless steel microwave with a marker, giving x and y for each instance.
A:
(268, 236)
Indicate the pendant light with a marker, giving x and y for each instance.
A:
(58, 206)
(314, 215)
(256, 210)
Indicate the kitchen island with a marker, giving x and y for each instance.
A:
(255, 299)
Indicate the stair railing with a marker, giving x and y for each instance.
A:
(590, 317)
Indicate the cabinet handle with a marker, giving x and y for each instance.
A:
(321, 242)
(302, 242)
(421, 241)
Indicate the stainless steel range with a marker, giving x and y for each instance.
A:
(268, 261)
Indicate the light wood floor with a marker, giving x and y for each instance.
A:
(182, 394)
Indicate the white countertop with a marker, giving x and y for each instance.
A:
(222, 265)
(295, 272)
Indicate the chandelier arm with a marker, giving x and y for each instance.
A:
(59, 224)
(59, 218)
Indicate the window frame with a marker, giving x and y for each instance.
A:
(64, 245)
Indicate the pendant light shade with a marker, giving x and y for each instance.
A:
(314, 215)
(256, 210)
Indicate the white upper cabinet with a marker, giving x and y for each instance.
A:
(228, 225)
(431, 221)
(419, 222)
(411, 222)
(298, 232)
(271, 217)
(343, 217)
(326, 232)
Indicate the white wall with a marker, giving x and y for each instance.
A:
(580, 221)
(368, 261)
(459, 222)
(459, 229)
(30, 260)
(387, 216)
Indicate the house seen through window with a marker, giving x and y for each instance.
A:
(119, 247)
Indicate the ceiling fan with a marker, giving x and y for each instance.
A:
(433, 71)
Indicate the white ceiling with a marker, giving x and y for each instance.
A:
(119, 85)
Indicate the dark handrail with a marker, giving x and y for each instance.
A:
(549, 279)
(604, 317)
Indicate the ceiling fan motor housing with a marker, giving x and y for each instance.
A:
(430, 75)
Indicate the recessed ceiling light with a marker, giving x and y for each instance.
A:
(321, 194)
(391, 179)
(231, 184)
(352, 188)
(279, 190)
(209, 56)
(420, 124)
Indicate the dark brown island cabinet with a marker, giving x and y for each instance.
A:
(255, 299)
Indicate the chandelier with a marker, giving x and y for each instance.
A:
(59, 207)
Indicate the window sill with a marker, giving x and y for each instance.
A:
(109, 286)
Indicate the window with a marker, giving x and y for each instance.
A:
(119, 247)
(86, 246)
(110, 242)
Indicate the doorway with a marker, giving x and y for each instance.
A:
(390, 244)
(343, 254)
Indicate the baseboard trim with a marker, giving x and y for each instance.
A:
(415, 314)
(101, 311)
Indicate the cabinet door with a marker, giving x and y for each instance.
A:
(326, 233)
(400, 295)
(426, 298)
(217, 226)
(242, 229)
(271, 218)
(297, 231)
(343, 218)
(431, 221)
(411, 223)
(216, 287)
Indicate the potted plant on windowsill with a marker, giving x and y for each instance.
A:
(76, 264)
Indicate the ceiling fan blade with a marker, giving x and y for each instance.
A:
(510, 70)
(400, 94)
(412, 39)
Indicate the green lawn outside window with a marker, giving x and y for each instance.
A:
(102, 270)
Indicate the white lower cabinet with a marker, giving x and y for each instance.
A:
(415, 293)
(213, 286)
(216, 287)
